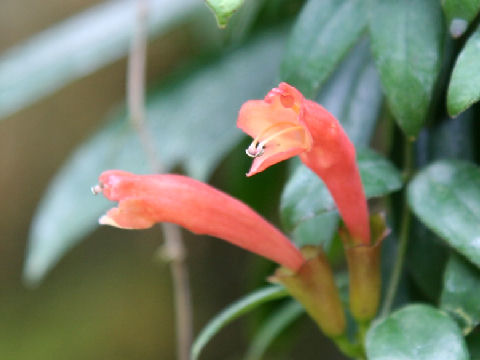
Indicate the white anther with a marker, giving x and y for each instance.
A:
(96, 189)
(255, 151)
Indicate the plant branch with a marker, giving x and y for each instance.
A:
(404, 235)
(173, 247)
(136, 84)
(174, 252)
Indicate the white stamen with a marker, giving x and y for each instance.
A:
(255, 151)
(96, 189)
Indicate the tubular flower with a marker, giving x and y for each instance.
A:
(286, 124)
(147, 199)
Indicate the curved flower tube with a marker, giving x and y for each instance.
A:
(286, 124)
(147, 199)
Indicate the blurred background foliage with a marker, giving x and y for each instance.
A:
(62, 76)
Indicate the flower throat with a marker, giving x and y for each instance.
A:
(257, 148)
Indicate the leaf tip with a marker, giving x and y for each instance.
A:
(223, 10)
(453, 108)
(457, 27)
(33, 271)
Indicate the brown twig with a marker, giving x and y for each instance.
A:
(136, 84)
(173, 247)
(174, 251)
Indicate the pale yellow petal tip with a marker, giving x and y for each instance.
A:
(107, 220)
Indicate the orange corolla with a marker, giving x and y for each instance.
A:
(148, 199)
(286, 124)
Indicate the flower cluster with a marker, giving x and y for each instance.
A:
(284, 124)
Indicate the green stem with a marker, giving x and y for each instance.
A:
(354, 351)
(407, 161)
(403, 238)
(362, 328)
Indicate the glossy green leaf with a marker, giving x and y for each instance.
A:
(308, 208)
(419, 332)
(234, 311)
(460, 295)
(201, 102)
(324, 32)
(459, 14)
(77, 47)
(242, 22)
(274, 325)
(319, 229)
(445, 196)
(379, 176)
(407, 38)
(464, 87)
(224, 9)
(451, 138)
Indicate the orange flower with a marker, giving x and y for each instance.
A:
(147, 199)
(286, 124)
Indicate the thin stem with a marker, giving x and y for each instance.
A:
(362, 328)
(174, 250)
(403, 238)
(173, 246)
(354, 351)
(136, 83)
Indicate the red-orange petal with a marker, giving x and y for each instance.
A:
(333, 159)
(322, 145)
(148, 199)
(277, 119)
(271, 157)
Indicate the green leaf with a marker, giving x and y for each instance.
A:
(68, 211)
(460, 295)
(77, 47)
(272, 328)
(224, 9)
(322, 35)
(451, 138)
(459, 14)
(379, 176)
(201, 102)
(464, 87)
(243, 21)
(307, 208)
(419, 332)
(445, 196)
(234, 311)
(407, 39)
